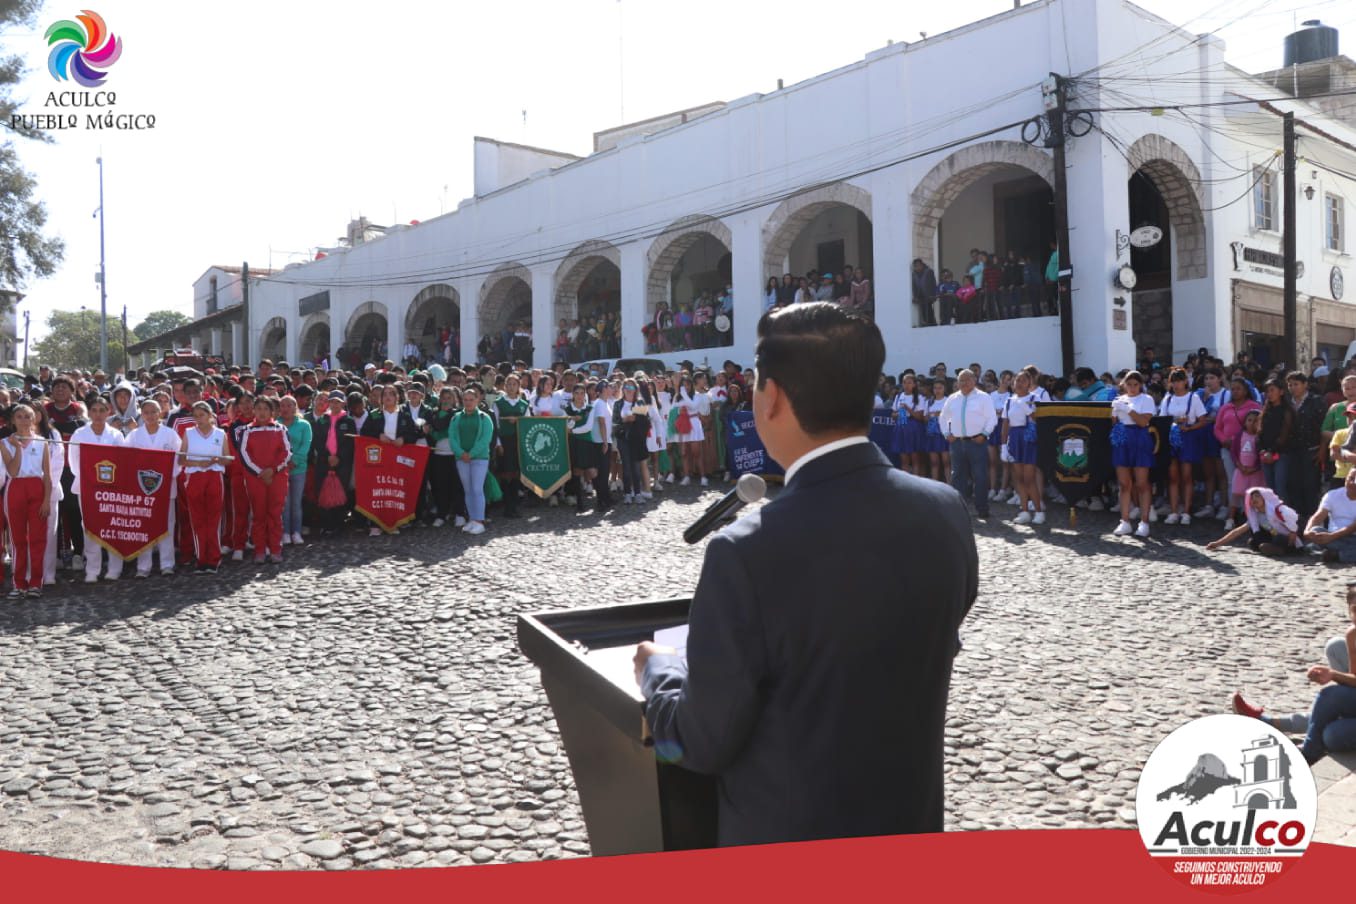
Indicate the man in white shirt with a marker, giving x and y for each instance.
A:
(1338, 510)
(968, 417)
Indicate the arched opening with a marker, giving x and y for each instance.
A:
(987, 206)
(690, 281)
(1259, 801)
(505, 316)
(433, 327)
(824, 231)
(1259, 768)
(273, 340)
(365, 336)
(1163, 193)
(588, 304)
(315, 339)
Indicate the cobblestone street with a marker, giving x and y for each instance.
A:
(365, 705)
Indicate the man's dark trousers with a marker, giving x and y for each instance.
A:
(970, 472)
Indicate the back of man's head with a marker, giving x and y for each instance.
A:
(826, 360)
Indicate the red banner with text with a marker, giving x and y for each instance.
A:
(125, 497)
(387, 480)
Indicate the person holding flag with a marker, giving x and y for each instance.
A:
(96, 433)
(152, 434)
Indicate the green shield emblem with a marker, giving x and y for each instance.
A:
(543, 454)
(1073, 455)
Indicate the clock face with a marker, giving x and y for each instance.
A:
(1126, 277)
(1336, 283)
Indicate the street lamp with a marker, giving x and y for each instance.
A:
(103, 283)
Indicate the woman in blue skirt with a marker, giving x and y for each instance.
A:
(1187, 440)
(939, 451)
(911, 412)
(1132, 451)
(1019, 437)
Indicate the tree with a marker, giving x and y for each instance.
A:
(24, 251)
(72, 341)
(158, 322)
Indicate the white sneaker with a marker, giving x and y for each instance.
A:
(374, 532)
(1153, 516)
(1023, 518)
(646, 497)
(1031, 505)
(438, 522)
(1222, 513)
(1162, 509)
(659, 485)
(1095, 504)
(1123, 529)
(628, 499)
(1172, 519)
(466, 528)
(1083, 504)
(91, 579)
(143, 575)
(668, 479)
(239, 554)
(459, 521)
(705, 482)
(475, 527)
(1142, 530)
(1038, 518)
(571, 500)
(1134, 512)
(1205, 511)
(77, 561)
(287, 540)
(994, 494)
(1186, 519)
(1229, 524)
(554, 501)
(1015, 499)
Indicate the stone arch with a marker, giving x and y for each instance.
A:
(786, 221)
(501, 297)
(366, 325)
(668, 249)
(574, 269)
(315, 337)
(957, 172)
(435, 307)
(1178, 181)
(273, 340)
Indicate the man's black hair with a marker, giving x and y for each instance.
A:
(826, 360)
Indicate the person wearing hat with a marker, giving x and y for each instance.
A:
(825, 290)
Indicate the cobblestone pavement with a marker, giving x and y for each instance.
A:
(364, 705)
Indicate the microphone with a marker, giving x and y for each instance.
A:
(749, 489)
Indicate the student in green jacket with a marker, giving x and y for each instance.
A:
(470, 435)
(299, 437)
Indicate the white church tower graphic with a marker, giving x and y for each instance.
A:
(1266, 777)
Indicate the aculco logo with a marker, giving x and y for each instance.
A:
(1226, 803)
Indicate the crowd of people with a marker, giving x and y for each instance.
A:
(851, 289)
(991, 287)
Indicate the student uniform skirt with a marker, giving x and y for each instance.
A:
(1136, 448)
(583, 453)
(936, 442)
(910, 437)
(1192, 449)
(1021, 449)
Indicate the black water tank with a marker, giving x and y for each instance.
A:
(1315, 41)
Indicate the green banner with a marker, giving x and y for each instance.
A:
(543, 454)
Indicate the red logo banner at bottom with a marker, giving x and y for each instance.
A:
(125, 497)
(387, 480)
(1048, 865)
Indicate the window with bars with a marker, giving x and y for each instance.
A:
(1264, 199)
(1334, 225)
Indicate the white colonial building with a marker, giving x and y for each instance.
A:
(921, 150)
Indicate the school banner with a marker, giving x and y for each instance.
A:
(543, 454)
(1160, 428)
(387, 480)
(885, 431)
(1073, 446)
(125, 497)
(744, 450)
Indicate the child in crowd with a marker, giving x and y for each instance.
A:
(265, 452)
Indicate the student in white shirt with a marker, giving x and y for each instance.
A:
(28, 500)
(1000, 471)
(939, 450)
(1019, 440)
(1333, 526)
(151, 434)
(1132, 451)
(96, 433)
(1188, 443)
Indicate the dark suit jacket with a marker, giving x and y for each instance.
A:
(819, 655)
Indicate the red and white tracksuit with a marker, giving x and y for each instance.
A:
(237, 496)
(202, 494)
(180, 420)
(24, 497)
(264, 447)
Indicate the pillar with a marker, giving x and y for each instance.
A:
(543, 307)
(633, 274)
(747, 280)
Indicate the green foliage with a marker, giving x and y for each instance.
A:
(72, 341)
(158, 322)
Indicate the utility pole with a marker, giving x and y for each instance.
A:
(126, 356)
(245, 308)
(1290, 302)
(26, 341)
(103, 277)
(1056, 108)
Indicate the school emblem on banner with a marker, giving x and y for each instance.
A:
(1073, 446)
(543, 454)
(106, 472)
(150, 481)
(374, 454)
(386, 488)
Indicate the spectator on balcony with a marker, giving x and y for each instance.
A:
(786, 291)
(859, 294)
(771, 293)
(991, 286)
(924, 292)
(946, 298)
(825, 292)
(804, 294)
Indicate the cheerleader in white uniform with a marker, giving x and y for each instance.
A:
(1000, 472)
(939, 452)
(661, 403)
(1187, 441)
(911, 412)
(1132, 451)
(1019, 438)
(691, 439)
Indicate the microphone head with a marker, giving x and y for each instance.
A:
(750, 488)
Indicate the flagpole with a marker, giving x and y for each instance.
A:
(103, 281)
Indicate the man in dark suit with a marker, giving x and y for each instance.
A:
(820, 642)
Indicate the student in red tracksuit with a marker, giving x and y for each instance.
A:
(264, 450)
(204, 451)
(28, 501)
(238, 497)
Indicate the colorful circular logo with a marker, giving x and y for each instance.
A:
(81, 49)
(1226, 804)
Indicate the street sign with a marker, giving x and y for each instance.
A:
(1146, 237)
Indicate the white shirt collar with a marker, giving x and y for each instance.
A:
(820, 451)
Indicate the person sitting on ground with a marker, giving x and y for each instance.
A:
(1333, 526)
(1273, 525)
(1330, 726)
